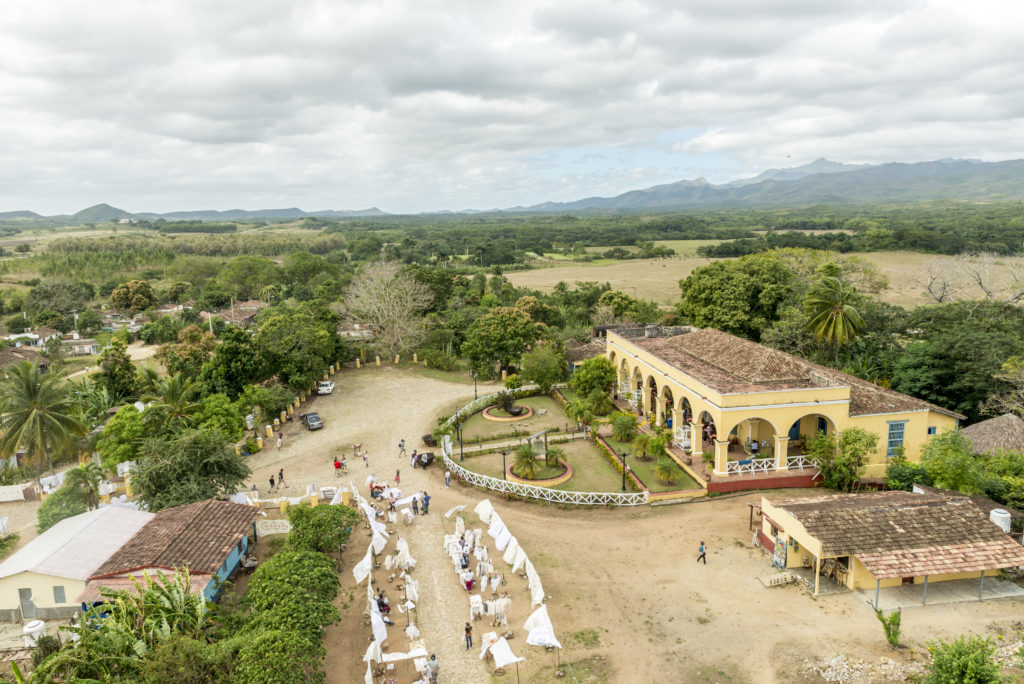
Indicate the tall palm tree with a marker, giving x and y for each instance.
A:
(172, 399)
(37, 414)
(581, 411)
(86, 478)
(834, 319)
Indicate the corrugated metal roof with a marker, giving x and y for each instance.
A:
(76, 546)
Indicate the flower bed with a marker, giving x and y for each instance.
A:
(547, 482)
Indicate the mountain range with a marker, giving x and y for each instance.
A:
(820, 182)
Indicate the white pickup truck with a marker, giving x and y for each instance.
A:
(325, 387)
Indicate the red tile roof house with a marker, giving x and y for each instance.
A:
(886, 539)
(210, 538)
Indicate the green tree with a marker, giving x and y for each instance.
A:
(623, 426)
(218, 412)
(647, 446)
(134, 295)
(524, 463)
(173, 403)
(740, 296)
(236, 362)
(121, 437)
(500, 337)
(194, 348)
(834, 319)
(841, 461)
(193, 465)
(964, 660)
(117, 372)
(297, 346)
(59, 294)
(85, 479)
(596, 374)
(61, 504)
(245, 276)
(37, 414)
(543, 365)
(891, 626)
(949, 461)
(903, 475)
(183, 659)
(666, 470)
(323, 528)
(581, 411)
(279, 657)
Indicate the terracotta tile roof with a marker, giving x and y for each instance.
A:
(1005, 432)
(198, 536)
(732, 365)
(91, 593)
(903, 531)
(581, 351)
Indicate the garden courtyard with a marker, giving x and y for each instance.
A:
(626, 597)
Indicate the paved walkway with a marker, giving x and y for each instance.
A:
(953, 591)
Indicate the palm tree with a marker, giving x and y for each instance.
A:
(834, 319)
(525, 463)
(553, 456)
(172, 399)
(666, 470)
(93, 402)
(37, 414)
(86, 478)
(647, 446)
(580, 411)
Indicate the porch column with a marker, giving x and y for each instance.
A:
(782, 452)
(817, 573)
(677, 423)
(696, 437)
(721, 456)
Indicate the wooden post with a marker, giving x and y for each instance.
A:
(924, 601)
(817, 573)
(981, 585)
(878, 584)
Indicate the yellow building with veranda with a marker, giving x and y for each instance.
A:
(754, 407)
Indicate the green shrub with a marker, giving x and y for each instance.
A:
(439, 360)
(623, 426)
(63, 503)
(891, 626)
(966, 660)
(279, 657)
(46, 645)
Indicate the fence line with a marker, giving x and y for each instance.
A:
(524, 490)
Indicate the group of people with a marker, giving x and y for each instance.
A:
(274, 484)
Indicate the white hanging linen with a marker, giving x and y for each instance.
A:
(373, 652)
(486, 642)
(362, 569)
(496, 526)
(371, 514)
(336, 499)
(503, 655)
(484, 510)
(536, 589)
(379, 542)
(510, 551)
(541, 632)
(368, 678)
(388, 562)
(379, 528)
(494, 582)
(392, 518)
(406, 500)
(412, 590)
(413, 632)
(520, 560)
(454, 509)
(460, 526)
(380, 630)
(503, 539)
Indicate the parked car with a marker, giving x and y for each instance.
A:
(324, 387)
(312, 421)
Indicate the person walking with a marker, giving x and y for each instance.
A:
(401, 448)
(415, 504)
(432, 668)
(413, 463)
(366, 459)
(337, 467)
(448, 478)
(280, 477)
(426, 503)
(398, 477)
(271, 483)
(469, 636)
(703, 554)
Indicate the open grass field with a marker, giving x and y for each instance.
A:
(658, 279)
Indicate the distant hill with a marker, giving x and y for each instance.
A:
(823, 182)
(100, 213)
(19, 214)
(248, 215)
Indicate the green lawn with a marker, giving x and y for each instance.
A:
(479, 427)
(685, 248)
(645, 471)
(591, 471)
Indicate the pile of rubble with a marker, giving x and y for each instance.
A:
(839, 668)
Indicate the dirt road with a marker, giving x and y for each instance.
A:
(628, 600)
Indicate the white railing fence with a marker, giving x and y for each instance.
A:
(750, 466)
(799, 461)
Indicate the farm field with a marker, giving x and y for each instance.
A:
(658, 279)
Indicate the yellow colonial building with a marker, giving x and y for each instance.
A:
(754, 407)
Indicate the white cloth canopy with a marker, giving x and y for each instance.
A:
(510, 551)
(541, 631)
(503, 655)
(520, 560)
(503, 539)
(380, 630)
(373, 652)
(484, 510)
(485, 643)
(454, 509)
(496, 526)
(362, 569)
(379, 542)
(406, 500)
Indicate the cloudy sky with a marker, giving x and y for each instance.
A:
(418, 105)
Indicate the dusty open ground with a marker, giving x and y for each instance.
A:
(658, 279)
(623, 584)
